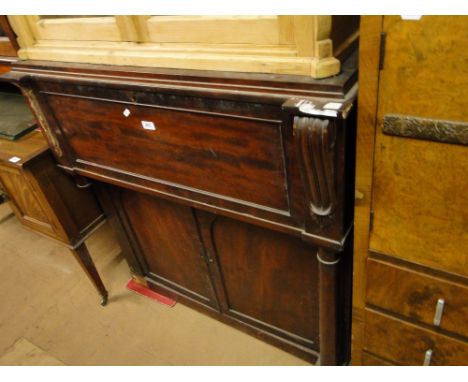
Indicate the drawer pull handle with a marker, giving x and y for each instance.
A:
(438, 312)
(126, 112)
(427, 357)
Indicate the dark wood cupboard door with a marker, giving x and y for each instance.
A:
(269, 279)
(167, 235)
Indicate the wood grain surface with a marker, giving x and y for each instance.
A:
(407, 344)
(367, 110)
(414, 295)
(425, 75)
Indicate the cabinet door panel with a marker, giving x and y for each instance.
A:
(76, 28)
(24, 202)
(269, 279)
(256, 30)
(167, 235)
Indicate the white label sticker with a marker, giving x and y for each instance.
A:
(411, 17)
(14, 159)
(333, 105)
(126, 112)
(307, 107)
(147, 125)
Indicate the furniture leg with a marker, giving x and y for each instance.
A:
(83, 257)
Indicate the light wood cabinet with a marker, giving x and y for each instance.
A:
(47, 201)
(302, 45)
(410, 259)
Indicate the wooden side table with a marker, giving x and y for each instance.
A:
(48, 201)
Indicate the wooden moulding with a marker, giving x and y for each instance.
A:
(298, 45)
(426, 129)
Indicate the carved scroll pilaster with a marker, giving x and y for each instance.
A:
(43, 121)
(315, 140)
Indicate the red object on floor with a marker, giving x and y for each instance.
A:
(144, 291)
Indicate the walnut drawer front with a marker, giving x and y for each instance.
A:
(407, 344)
(425, 298)
(232, 158)
(372, 360)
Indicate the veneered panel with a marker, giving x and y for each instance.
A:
(420, 201)
(415, 295)
(241, 159)
(269, 277)
(25, 201)
(407, 344)
(168, 236)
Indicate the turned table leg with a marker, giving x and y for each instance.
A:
(83, 257)
(328, 319)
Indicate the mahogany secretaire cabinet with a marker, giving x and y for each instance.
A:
(231, 192)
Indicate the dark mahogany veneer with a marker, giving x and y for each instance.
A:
(236, 198)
